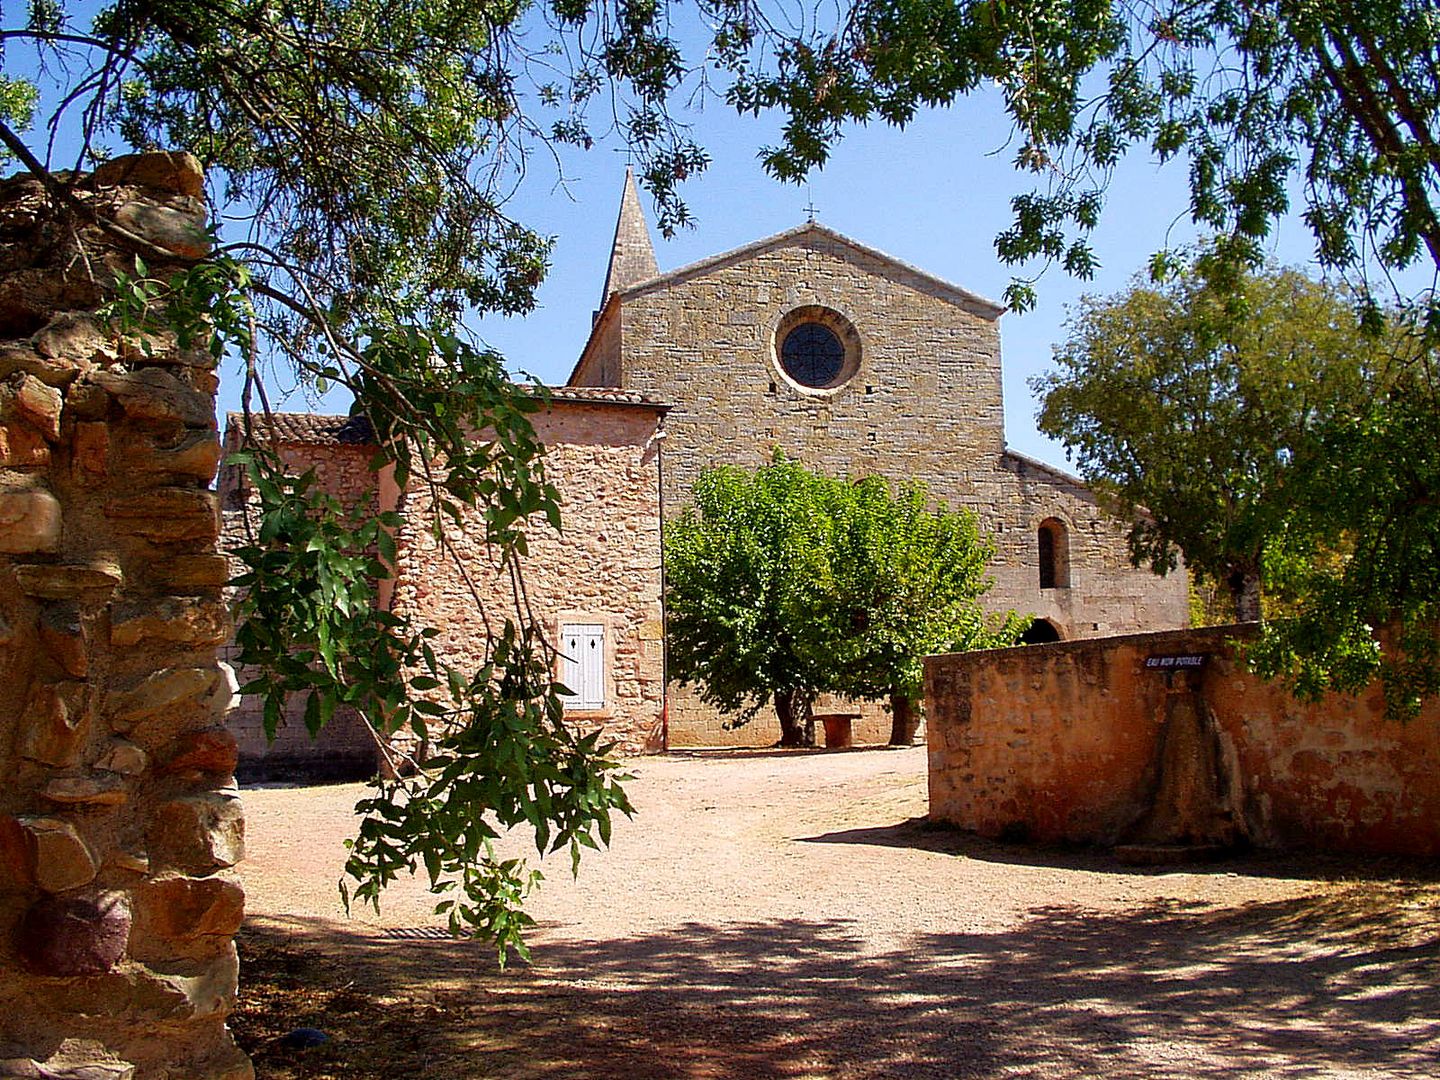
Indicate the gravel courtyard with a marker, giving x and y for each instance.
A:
(783, 914)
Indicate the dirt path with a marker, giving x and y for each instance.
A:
(787, 915)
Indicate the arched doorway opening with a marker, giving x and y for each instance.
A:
(1040, 632)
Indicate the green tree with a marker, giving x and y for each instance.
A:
(1197, 409)
(782, 584)
(743, 565)
(1330, 101)
(904, 581)
(362, 153)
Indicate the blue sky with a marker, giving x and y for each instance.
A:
(934, 195)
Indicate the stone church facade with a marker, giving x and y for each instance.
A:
(847, 359)
(856, 363)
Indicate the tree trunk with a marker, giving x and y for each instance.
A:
(904, 720)
(1245, 591)
(797, 718)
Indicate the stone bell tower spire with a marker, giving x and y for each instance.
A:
(632, 259)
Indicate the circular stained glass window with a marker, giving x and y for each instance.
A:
(812, 355)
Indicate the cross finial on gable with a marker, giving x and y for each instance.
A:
(810, 208)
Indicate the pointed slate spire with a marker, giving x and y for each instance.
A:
(632, 259)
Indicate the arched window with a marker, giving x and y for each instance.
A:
(1054, 543)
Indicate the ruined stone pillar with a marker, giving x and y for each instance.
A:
(119, 820)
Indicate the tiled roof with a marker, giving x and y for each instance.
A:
(605, 395)
(320, 429)
(294, 427)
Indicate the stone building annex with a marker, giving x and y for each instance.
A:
(847, 359)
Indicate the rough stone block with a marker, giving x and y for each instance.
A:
(22, 447)
(74, 935)
(156, 394)
(183, 909)
(63, 635)
(75, 338)
(125, 758)
(213, 751)
(226, 694)
(86, 791)
(159, 170)
(195, 572)
(188, 995)
(74, 1059)
(54, 725)
(183, 620)
(68, 581)
(41, 405)
(87, 400)
(50, 371)
(177, 231)
(59, 859)
(161, 691)
(134, 862)
(199, 834)
(30, 522)
(168, 514)
(196, 454)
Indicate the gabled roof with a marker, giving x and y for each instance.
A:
(944, 289)
(1030, 464)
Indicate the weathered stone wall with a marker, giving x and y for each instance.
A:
(119, 821)
(346, 748)
(1061, 743)
(925, 404)
(603, 569)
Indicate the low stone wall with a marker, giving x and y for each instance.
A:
(119, 821)
(1065, 742)
(695, 724)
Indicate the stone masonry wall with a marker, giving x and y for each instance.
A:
(119, 821)
(1059, 743)
(604, 568)
(345, 749)
(924, 404)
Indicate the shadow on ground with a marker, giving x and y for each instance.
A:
(923, 834)
(1334, 985)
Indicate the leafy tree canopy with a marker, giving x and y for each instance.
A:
(362, 154)
(1194, 407)
(1279, 441)
(782, 584)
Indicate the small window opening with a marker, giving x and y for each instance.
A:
(1054, 544)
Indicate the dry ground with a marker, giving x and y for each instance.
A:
(789, 915)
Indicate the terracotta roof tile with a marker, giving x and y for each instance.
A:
(321, 429)
(605, 395)
(293, 427)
